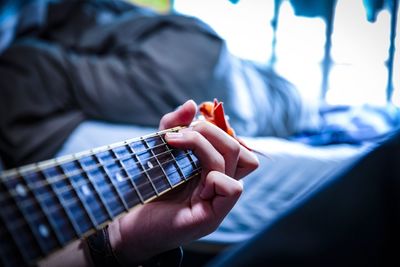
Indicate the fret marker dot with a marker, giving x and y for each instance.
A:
(149, 164)
(44, 232)
(21, 190)
(119, 177)
(85, 190)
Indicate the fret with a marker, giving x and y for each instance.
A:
(137, 172)
(67, 225)
(193, 159)
(70, 202)
(156, 170)
(130, 168)
(116, 172)
(113, 182)
(45, 206)
(185, 162)
(86, 193)
(105, 191)
(47, 200)
(26, 235)
(171, 167)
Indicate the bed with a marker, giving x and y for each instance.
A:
(291, 171)
(295, 166)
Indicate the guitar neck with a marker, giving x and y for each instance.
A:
(47, 205)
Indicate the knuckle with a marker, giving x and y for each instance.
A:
(233, 147)
(218, 163)
(237, 189)
(195, 137)
(254, 164)
(165, 120)
(201, 126)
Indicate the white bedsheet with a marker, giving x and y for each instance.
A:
(291, 171)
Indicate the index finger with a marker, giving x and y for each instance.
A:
(237, 163)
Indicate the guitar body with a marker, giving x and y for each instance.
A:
(47, 205)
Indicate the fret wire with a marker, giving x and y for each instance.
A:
(37, 215)
(102, 200)
(144, 168)
(175, 164)
(71, 189)
(20, 222)
(49, 218)
(107, 176)
(190, 156)
(84, 204)
(57, 178)
(64, 209)
(10, 229)
(181, 174)
(45, 183)
(43, 212)
(158, 162)
(131, 179)
(66, 189)
(43, 197)
(41, 215)
(74, 156)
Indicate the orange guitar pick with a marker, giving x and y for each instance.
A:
(214, 113)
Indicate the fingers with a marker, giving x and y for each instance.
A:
(237, 159)
(247, 163)
(223, 192)
(209, 157)
(228, 147)
(181, 117)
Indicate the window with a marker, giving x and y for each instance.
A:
(359, 49)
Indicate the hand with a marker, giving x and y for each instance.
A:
(191, 210)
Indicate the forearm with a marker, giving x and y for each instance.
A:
(74, 254)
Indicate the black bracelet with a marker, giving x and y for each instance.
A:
(100, 249)
(102, 254)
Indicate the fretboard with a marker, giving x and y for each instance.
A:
(47, 205)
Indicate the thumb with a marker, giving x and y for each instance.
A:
(223, 192)
(183, 116)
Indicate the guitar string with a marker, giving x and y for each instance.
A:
(114, 160)
(19, 223)
(161, 177)
(126, 156)
(63, 177)
(30, 186)
(65, 188)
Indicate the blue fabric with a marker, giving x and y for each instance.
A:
(351, 125)
(351, 221)
(18, 15)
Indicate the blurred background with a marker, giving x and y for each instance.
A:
(342, 55)
(292, 36)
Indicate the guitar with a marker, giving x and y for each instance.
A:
(47, 205)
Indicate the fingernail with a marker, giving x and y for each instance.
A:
(173, 135)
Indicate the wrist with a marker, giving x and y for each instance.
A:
(125, 256)
(115, 237)
(99, 249)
